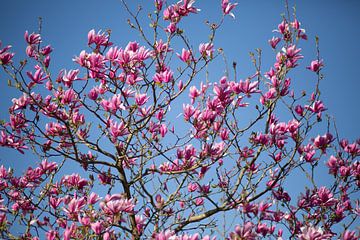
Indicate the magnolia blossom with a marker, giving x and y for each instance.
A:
(206, 49)
(274, 42)
(5, 56)
(99, 39)
(32, 38)
(316, 65)
(227, 7)
(185, 56)
(69, 77)
(38, 77)
(115, 204)
(312, 233)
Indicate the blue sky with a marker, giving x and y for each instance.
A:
(66, 24)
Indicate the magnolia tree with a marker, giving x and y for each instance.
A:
(146, 171)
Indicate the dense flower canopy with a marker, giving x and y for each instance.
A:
(144, 173)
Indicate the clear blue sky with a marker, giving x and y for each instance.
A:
(66, 24)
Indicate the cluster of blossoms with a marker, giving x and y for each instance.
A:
(112, 115)
(70, 200)
(175, 12)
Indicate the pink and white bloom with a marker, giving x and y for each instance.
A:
(141, 98)
(115, 204)
(185, 55)
(206, 49)
(117, 129)
(97, 227)
(227, 7)
(33, 38)
(5, 56)
(274, 42)
(316, 65)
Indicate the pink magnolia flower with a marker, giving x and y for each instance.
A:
(55, 129)
(283, 27)
(160, 114)
(299, 110)
(132, 79)
(113, 104)
(93, 198)
(323, 142)
(12, 142)
(99, 39)
(312, 233)
(144, 111)
(223, 93)
(163, 130)
(55, 202)
(5, 56)
(52, 235)
(33, 38)
(77, 118)
(353, 148)
(74, 181)
(246, 87)
(199, 201)
(104, 178)
(260, 138)
(74, 207)
(38, 77)
(333, 164)
(180, 85)
(141, 99)
(69, 77)
(21, 102)
(183, 8)
(224, 134)
(350, 235)
(243, 232)
(114, 54)
(117, 129)
(164, 76)
(108, 236)
(68, 97)
(97, 227)
(165, 235)
(171, 28)
(316, 65)
(17, 122)
(227, 7)
(187, 7)
(159, 4)
(162, 47)
(206, 49)
(274, 42)
(194, 93)
(46, 50)
(93, 93)
(324, 197)
(47, 167)
(317, 107)
(185, 55)
(140, 222)
(115, 204)
(344, 171)
(192, 187)
(82, 59)
(263, 229)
